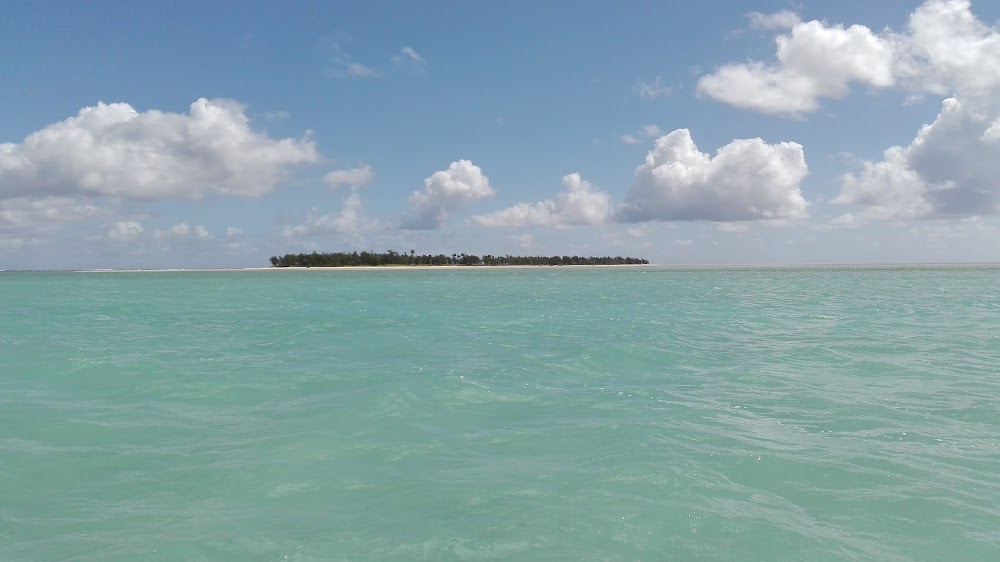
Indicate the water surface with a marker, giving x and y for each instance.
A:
(824, 413)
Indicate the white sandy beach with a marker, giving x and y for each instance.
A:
(362, 268)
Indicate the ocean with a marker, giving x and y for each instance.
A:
(626, 413)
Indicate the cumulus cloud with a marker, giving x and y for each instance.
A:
(578, 204)
(784, 19)
(114, 150)
(814, 61)
(349, 221)
(446, 191)
(353, 177)
(183, 231)
(944, 50)
(650, 131)
(948, 50)
(747, 179)
(949, 170)
(123, 231)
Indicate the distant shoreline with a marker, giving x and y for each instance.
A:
(361, 268)
(691, 266)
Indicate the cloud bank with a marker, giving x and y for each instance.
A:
(114, 150)
(949, 169)
(746, 180)
(578, 204)
(944, 50)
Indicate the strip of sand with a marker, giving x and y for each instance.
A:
(363, 268)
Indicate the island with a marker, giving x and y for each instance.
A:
(393, 258)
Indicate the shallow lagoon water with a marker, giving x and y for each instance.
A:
(647, 413)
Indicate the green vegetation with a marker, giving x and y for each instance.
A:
(392, 258)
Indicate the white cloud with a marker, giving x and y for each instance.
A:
(124, 231)
(637, 231)
(410, 59)
(233, 232)
(409, 53)
(653, 90)
(650, 131)
(949, 170)
(948, 50)
(814, 61)
(114, 150)
(747, 179)
(944, 50)
(358, 70)
(349, 221)
(353, 177)
(445, 191)
(183, 231)
(784, 19)
(644, 132)
(578, 204)
(279, 115)
(887, 190)
(27, 219)
(343, 65)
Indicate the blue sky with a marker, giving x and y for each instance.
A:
(219, 134)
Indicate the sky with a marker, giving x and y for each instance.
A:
(217, 134)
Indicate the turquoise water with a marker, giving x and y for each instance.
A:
(830, 413)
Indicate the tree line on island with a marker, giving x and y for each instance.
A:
(393, 258)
